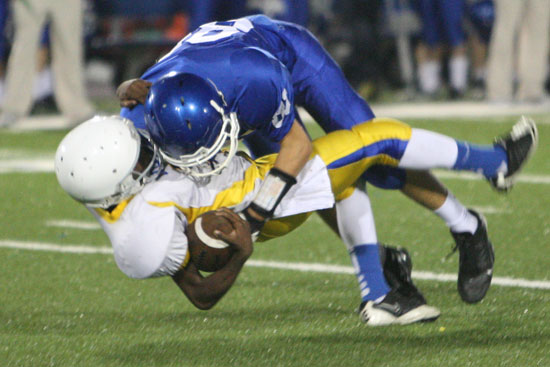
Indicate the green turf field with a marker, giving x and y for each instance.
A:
(78, 309)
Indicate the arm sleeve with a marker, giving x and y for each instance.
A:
(265, 97)
(135, 115)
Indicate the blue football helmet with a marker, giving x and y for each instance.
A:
(185, 116)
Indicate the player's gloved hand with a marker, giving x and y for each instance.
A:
(133, 92)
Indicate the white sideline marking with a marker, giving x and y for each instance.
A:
(461, 109)
(41, 246)
(491, 210)
(26, 165)
(413, 109)
(471, 176)
(304, 267)
(46, 165)
(65, 223)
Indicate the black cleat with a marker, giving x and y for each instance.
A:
(519, 144)
(397, 265)
(476, 260)
(398, 308)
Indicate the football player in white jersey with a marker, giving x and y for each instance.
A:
(145, 208)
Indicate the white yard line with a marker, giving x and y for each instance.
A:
(304, 267)
(491, 210)
(76, 224)
(470, 176)
(26, 165)
(462, 109)
(405, 110)
(46, 165)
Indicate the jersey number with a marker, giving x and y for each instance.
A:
(212, 32)
(218, 30)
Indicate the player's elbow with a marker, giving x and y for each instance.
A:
(308, 149)
(202, 304)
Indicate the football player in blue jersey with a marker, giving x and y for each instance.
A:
(262, 69)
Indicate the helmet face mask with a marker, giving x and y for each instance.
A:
(104, 161)
(210, 161)
(185, 116)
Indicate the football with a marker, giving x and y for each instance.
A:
(207, 252)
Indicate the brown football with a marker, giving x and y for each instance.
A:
(207, 252)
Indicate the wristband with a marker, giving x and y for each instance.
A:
(275, 186)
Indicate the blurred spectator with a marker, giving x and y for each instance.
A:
(42, 89)
(3, 43)
(294, 11)
(480, 16)
(442, 23)
(204, 11)
(65, 17)
(353, 39)
(403, 24)
(524, 23)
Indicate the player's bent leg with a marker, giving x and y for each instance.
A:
(393, 143)
(476, 254)
(378, 266)
(357, 230)
(396, 261)
(499, 163)
(349, 153)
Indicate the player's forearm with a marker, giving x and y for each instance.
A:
(205, 292)
(295, 151)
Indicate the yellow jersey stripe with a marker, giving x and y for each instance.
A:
(232, 195)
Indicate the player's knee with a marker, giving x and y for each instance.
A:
(387, 137)
(386, 177)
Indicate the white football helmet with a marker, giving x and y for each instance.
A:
(96, 161)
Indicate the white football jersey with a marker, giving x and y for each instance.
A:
(147, 232)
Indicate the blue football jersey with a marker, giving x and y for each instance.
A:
(254, 83)
(264, 68)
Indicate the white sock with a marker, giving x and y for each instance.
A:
(356, 220)
(458, 72)
(43, 85)
(480, 73)
(427, 149)
(456, 216)
(429, 78)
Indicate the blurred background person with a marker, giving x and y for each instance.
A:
(205, 11)
(442, 25)
(294, 11)
(480, 16)
(521, 37)
(65, 20)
